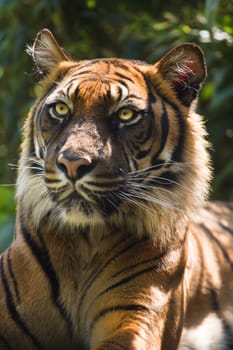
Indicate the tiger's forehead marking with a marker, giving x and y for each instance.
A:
(118, 91)
(109, 83)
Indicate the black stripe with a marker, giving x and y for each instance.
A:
(5, 343)
(167, 178)
(92, 62)
(131, 277)
(129, 68)
(71, 81)
(35, 168)
(130, 267)
(123, 76)
(108, 205)
(104, 184)
(110, 176)
(178, 151)
(133, 96)
(49, 171)
(119, 90)
(69, 88)
(144, 153)
(100, 270)
(127, 155)
(122, 82)
(165, 130)
(129, 307)
(48, 181)
(12, 275)
(158, 163)
(151, 99)
(43, 258)
(219, 245)
(87, 64)
(13, 310)
(214, 301)
(35, 118)
(76, 93)
(226, 228)
(144, 138)
(85, 68)
(31, 150)
(108, 96)
(124, 65)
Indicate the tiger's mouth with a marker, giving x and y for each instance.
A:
(87, 202)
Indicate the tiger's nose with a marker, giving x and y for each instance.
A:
(73, 165)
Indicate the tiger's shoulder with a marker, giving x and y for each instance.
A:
(212, 230)
(216, 219)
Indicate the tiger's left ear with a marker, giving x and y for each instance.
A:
(185, 69)
(46, 52)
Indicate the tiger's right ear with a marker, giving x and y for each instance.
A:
(46, 52)
(184, 68)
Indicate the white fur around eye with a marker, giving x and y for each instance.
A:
(118, 90)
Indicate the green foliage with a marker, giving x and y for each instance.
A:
(132, 29)
(7, 213)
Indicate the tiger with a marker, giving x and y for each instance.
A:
(116, 246)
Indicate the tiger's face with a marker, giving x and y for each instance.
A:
(110, 138)
(94, 129)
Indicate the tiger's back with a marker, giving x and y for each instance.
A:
(113, 248)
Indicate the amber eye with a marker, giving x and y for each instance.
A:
(59, 110)
(125, 114)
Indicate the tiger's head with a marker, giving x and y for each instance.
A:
(114, 143)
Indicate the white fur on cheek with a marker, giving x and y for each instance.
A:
(31, 190)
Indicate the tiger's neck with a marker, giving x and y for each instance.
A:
(162, 230)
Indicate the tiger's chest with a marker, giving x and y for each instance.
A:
(128, 284)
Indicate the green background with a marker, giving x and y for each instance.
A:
(102, 28)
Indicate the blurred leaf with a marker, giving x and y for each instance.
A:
(225, 172)
(7, 201)
(207, 91)
(6, 233)
(223, 95)
(7, 213)
(210, 10)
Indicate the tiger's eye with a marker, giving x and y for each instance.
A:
(61, 109)
(125, 114)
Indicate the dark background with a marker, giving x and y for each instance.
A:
(102, 28)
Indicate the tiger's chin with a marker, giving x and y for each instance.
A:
(77, 212)
(76, 217)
